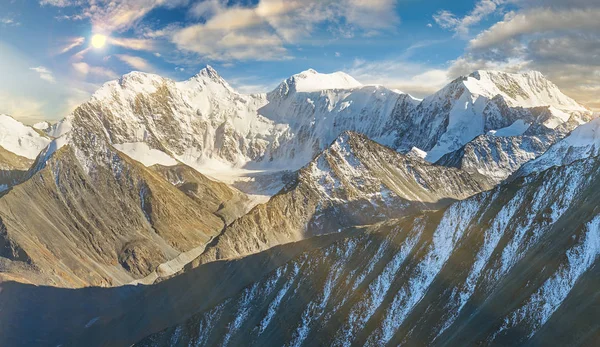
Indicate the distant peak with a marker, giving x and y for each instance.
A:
(209, 71)
(526, 89)
(308, 72)
(312, 81)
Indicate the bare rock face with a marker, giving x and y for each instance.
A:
(140, 257)
(12, 168)
(226, 202)
(354, 182)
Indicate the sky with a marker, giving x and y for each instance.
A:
(49, 64)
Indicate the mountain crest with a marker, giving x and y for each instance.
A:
(312, 81)
(208, 76)
(528, 89)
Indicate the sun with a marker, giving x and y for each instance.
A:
(98, 41)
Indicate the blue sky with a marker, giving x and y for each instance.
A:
(48, 66)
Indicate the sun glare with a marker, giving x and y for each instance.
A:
(98, 41)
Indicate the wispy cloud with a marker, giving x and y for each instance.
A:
(134, 44)
(99, 71)
(108, 16)
(483, 8)
(135, 62)
(44, 73)
(59, 3)
(71, 43)
(9, 20)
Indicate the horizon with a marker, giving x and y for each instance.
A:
(57, 53)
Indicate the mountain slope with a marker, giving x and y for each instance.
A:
(505, 267)
(496, 155)
(583, 142)
(94, 216)
(354, 182)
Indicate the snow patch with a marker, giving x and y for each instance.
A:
(140, 151)
(518, 128)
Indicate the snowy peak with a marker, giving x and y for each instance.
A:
(210, 75)
(530, 89)
(20, 139)
(312, 81)
(42, 125)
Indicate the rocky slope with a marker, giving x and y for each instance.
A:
(517, 265)
(583, 142)
(94, 216)
(354, 182)
(497, 154)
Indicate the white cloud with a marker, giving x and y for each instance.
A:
(261, 32)
(44, 73)
(537, 21)
(483, 8)
(9, 21)
(135, 62)
(99, 71)
(134, 44)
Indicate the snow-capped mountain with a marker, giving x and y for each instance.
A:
(582, 143)
(19, 146)
(204, 123)
(482, 102)
(20, 139)
(87, 214)
(355, 181)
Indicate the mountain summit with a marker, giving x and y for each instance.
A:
(312, 81)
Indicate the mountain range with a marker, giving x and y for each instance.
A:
(324, 212)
